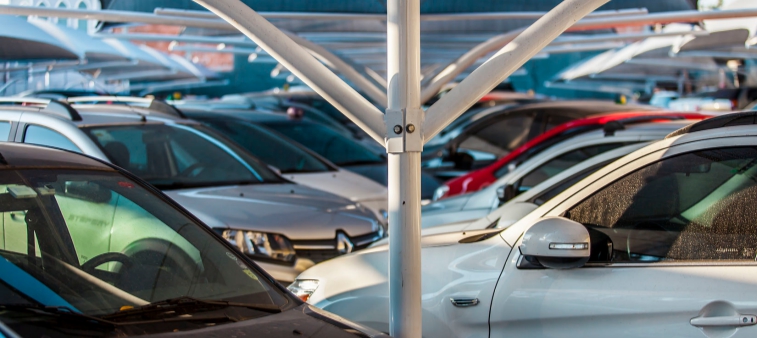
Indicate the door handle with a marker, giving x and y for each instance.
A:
(464, 302)
(739, 320)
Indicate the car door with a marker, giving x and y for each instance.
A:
(673, 248)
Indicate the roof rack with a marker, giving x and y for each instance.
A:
(48, 105)
(151, 104)
(721, 121)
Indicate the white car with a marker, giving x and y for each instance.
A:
(552, 161)
(519, 206)
(660, 243)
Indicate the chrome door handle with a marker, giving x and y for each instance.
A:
(739, 320)
(464, 302)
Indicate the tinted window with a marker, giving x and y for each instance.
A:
(565, 184)
(5, 130)
(269, 147)
(561, 163)
(101, 241)
(695, 206)
(328, 143)
(178, 156)
(499, 138)
(47, 137)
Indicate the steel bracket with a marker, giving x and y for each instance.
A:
(403, 130)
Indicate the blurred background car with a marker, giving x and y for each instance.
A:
(296, 162)
(285, 226)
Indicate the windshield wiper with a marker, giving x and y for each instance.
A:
(57, 310)
(186, 305)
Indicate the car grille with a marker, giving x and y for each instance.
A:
(322, 250)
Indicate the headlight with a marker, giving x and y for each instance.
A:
(303, 288)
(440, 192)
(261, 245)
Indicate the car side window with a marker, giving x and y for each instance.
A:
(565, 184)
(5, 130)
(697, 206)
(562, 162)
(47, 137)
(499, 138)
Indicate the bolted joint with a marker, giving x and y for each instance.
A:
(404, 136)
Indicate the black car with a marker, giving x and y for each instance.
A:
(339, 149)
(481, 136)
(91, 250)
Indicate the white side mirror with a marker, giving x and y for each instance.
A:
(557, 243)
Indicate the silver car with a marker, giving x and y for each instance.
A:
(283, 226)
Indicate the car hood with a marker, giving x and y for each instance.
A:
(295, 211)
(446, 205)
(302, 321)
(343, 183)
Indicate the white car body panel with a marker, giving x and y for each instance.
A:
(359, 288)
(630, 300)
(618, 300)
(347, 184)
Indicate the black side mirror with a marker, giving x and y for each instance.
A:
(506, 193)
(463, 161)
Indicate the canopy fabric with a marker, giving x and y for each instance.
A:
(23, 41)
(86, 47)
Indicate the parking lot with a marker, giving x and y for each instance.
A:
(225, 168)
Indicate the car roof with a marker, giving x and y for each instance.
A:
(20, 155)
(118, 113)
(256, 116)
(721, 121)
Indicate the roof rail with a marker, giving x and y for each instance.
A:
(151, 104)
(611, 127)
(48, 105)
(721, 121)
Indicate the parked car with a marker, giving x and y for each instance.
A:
(661, 241)
(214, 178)
(508, 211)
(479, 137)
(89, 249)
(296, 162)
(727, 99)
(548, 163)
(483, 177)
(341, 150)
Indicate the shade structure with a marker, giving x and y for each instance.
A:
(23, 41)
(86, 47)
(730, 38)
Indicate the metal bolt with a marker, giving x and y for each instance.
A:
(398, 129)
(410, 128)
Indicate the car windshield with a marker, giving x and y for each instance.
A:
(96, 243)
(269, 147)
(174, 156)
(328, 143)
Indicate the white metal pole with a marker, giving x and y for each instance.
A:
(282, 48)
(404, 118)
(504, 63)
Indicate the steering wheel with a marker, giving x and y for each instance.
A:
(90, 265)
(192, 168)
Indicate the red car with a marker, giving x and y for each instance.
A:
(479, 179)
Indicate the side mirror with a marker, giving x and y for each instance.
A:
(556, 243)
(463, 160)
(505, 193)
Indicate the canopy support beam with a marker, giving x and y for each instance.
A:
(295, 58)
(448, 73)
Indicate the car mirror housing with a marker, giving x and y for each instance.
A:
(556, 243)
(505, 193)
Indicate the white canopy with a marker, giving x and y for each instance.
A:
(23, 41)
